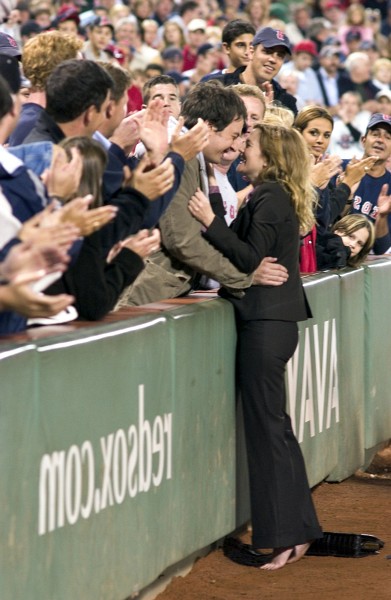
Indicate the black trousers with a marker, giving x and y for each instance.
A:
(282, 510)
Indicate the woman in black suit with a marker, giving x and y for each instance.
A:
(277, 162)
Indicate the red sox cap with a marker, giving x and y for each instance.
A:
(379, 119)
(9, 46)
(269, 38)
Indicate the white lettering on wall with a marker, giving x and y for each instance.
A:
(318, 381)
(132, 461)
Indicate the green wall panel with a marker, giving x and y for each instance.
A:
(377, 352)
(351, 375)
(125, 440)
(18, 427)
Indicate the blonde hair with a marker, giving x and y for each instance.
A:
(379, 63)
(43, 52)
(348, 225)
(284, 114)
(250, 91)
(288, 163)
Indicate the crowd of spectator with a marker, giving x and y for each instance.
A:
(114, 114)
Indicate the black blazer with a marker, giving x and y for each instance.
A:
(266, 226)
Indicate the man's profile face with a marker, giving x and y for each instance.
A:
(220, 142)
(267, 62)
(97, 117)
(118, 111)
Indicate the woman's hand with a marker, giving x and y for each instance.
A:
(144, 243)
(46, 228)
(200, 208)
(323, 171)
(87, 220)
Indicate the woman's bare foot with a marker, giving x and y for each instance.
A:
(280, 558)
(298, 552)
(284, 556)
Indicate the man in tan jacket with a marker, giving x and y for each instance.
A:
(185, 253)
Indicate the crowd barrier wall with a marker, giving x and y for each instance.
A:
(117, 440)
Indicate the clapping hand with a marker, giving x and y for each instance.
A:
(144, 243)
(189, 144)
(150, 180)
(62, 179)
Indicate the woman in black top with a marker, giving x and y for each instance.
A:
(277, 162)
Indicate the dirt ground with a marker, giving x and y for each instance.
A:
(360, 504)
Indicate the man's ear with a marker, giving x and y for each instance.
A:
(110, 109)
(87, 115)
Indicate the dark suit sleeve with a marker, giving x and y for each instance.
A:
(339, 195)
(132, 207)
(96, 284)
(267, 214)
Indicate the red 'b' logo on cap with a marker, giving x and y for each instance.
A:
(386, 117)
(280, 35)
(11, 41)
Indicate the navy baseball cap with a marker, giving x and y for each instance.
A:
(102, 21)
(172, 52)
(204, 49)
(9, 46)
(269, 38)
(379, 119)
(30, 27)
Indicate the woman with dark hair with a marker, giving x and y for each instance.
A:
(277, 163)
(94, 164)
(96, 283)
(316, 125)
